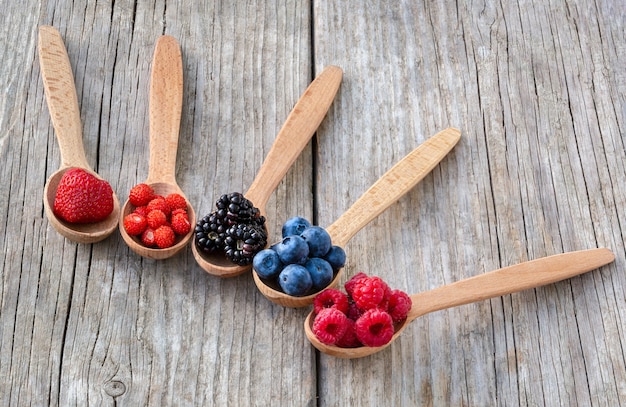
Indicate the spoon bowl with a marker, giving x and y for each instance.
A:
(508, 280)
(295, 134)
(58, 81)
(395, 183)
(166, 99)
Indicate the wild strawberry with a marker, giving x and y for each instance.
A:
(142, 210)
(177, 211)
(156, 218)
(140, 194)
(82, 197)
(158, 202)
(135, 224)
(148, 238)
(176, 201)
(180, 223)
(164, 237)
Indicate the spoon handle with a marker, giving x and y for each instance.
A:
(508, 280)
(58, 83)
(166, 103)
(304, 119)
(396, 182)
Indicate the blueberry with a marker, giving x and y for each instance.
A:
(336, 256)
(295, 280)
(295, 226)
(292, 249)
(321, 272)
(318, 240)
(267, 264)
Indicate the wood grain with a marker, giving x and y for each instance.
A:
(536, 88)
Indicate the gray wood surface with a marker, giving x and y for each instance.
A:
(537, 89)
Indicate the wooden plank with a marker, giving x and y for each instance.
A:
(534, 89)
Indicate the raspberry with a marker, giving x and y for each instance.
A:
(142, 210)
(369, 292)
(164, 237)
(147, 237)
(374, 328)
(399, 305)
(331, 298)
(135, 224)
(176, 201)
(354, 312)
(330, 325)
(180, 223)
(158, 202)
(349, 285)
(140, 194)
(349, 339)
(156, 218)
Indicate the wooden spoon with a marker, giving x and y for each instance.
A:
(396, 182)
(295, 134)
(166, 100)
(508, 280)
(58, 82)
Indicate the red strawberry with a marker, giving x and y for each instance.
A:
(176, 201)
(147, 237)
(158, 202)
(180, 223)
(164, 237)
(156, 218)
(135, 224)
(81, 197)
(141, 194)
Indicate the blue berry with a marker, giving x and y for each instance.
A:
(321, 272)
(318, 240)
(295, 226)
(267, 264)
(336, 256)
(292, 249)
(295, 280)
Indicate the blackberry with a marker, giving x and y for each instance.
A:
(237, 209)
(210, 233)
(243, 241)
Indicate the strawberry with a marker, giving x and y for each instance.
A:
(82, 197)
(156, 218)
(164, 237)
(147, 237)
(159, 202)
(141, 194)
(180, 223)
(135, 224)
(176, 201)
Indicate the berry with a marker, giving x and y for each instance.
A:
(336, 256)
(318, 240)
(354, 312)
(243, 241)
(176, 201)
(142, 210)
(350, 284)
(374, 328)
(321, 272)
(234, 208)
(349, 339)
(140, 194)
(293, 250)
(399, 305)
(267, 264)
(369, 292)
(180, 222)
(331, 298)
(82, 197)
(135, 224)
(158, 202)
(295, 226)
(156, 218)
(330, 325)
(164, 237)
(210, 233)
(295, 280)
(148, 238)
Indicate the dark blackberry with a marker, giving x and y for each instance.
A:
(210, 233)
(237, 209)
(243, 241)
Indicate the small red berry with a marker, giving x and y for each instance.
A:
(164, 237)
(156, 218)
(330, 298)
(349, 339)
(176, 201)
(180, 223)
(369, 292)
(330, 325)
(158, 202)
(349, 285)
(142, 210)
(399, 305)
(135, 224)
(147, 237)
(374, 328)
(140, 194)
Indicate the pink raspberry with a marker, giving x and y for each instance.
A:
(330, 325)
(369, 292)
(399, 305)
(331, 298)
(374, 328)
(349, 339)
(354, 312)
(349, 285)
